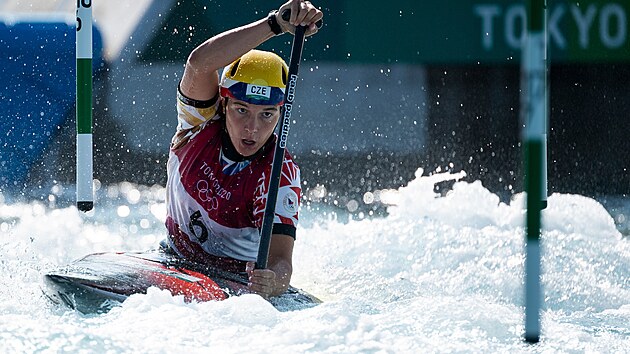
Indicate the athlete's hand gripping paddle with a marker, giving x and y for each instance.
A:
(278, 157)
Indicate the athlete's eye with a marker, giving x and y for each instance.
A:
(267, 115)
(241, 110)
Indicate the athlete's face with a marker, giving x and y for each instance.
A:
(250, 125)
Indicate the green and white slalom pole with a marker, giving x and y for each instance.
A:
(85, 199)
(534, 116)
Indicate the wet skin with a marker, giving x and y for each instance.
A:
(250, 125)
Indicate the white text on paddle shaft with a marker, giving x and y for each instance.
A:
(284, 134)
(214, 183)
(608, 24)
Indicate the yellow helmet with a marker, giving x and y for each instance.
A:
(258, 77)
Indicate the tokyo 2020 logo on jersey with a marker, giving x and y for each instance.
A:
(205, 194)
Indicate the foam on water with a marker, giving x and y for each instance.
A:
(438, 274)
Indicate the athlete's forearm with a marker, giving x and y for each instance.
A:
(224, 48)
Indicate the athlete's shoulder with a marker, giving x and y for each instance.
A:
(192, 113)
(289, 161)
(193, 117)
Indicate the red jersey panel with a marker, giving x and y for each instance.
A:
(214, 207)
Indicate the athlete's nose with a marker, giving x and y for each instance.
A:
(251, 127)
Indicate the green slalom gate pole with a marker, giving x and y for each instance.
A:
(534, 116)
(85, 200)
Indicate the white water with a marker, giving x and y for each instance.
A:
(438, 274)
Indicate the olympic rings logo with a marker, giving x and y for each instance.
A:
(205, 194)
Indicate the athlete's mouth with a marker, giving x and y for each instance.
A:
(248, 142)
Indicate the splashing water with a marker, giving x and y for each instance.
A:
(437, 274)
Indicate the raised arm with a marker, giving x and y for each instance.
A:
(201, 76)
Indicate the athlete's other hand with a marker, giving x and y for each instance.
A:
(261, 281)
(303, 13)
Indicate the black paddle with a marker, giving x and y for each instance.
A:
(278, 157)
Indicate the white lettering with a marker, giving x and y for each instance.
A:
(291, 89)
(572, 31)
(284, 133)
(286, 120)
(612, 40)
(213, 182)
(584, 23)
(512, 15)
(487, 12)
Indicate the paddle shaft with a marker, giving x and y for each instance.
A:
(278, 157)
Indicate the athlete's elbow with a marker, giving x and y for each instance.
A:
(199, 60)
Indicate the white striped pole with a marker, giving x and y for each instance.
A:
(85, 199)
(534, 115)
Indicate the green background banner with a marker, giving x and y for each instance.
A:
(410, 31)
